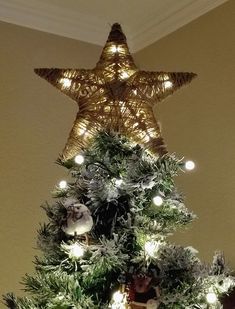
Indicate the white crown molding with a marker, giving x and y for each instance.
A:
(51, 18)
(159, 27)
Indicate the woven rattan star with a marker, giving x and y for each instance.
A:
(115, 96)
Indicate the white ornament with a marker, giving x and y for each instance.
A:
(79, 220)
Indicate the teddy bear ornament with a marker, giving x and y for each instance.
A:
(143, 293)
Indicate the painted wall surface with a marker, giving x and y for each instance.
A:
(198, 122)
(35, 120)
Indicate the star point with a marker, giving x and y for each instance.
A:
(115, 96)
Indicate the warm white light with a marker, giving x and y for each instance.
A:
(86, 134)
(124, 75)
(66, 82)
(79, 159)
(135, 92)
(211, 298)
(151, 247)
(135, 124)
(123, 107)
(146, 138)
(60, 296)
(168, 84)
(189, 165)
(118, 297)
(76, 251)
(63, 184)
(81, 131)
(115, 49)
(158, 200)
(118, 182)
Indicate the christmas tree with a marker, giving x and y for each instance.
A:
(105, 244)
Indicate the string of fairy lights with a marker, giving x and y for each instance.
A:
(117, 96)
(188, 165)
(67, 82)
(151, 247)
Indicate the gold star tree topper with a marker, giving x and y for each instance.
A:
(115, 96)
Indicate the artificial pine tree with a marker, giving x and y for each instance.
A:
(105, 245)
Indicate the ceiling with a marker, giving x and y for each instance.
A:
(144, 22)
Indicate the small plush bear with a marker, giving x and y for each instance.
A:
(143, 294)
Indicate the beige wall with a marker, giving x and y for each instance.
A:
(199, 122)
(35, 120)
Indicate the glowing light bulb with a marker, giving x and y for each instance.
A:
(82, 131)
(124, 75)
(118, 182)
(146, 138)
(151, 247)
(189, 165)
(135, 124)
(118, 297)
(60, 296)
(168, 84)
(135, 92)
(63, 184)
(79, 159)
(158, 200)
(114, 49)
(86, 134)
(211, 298)
(76, 251)
(123, 107)
(66, 82)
